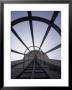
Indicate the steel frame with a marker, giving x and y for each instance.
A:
(31, 18)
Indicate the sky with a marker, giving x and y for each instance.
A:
(39, 29)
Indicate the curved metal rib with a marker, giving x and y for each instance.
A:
(36, 18)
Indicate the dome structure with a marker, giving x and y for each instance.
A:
(36, 45)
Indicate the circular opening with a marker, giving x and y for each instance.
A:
(36, 53)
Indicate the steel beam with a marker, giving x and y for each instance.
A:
(55, 14)
(56, 47)
(31, 26)
(14, 32)
(16, 52)
(36, 18)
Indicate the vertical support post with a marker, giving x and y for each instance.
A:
(31, 27)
